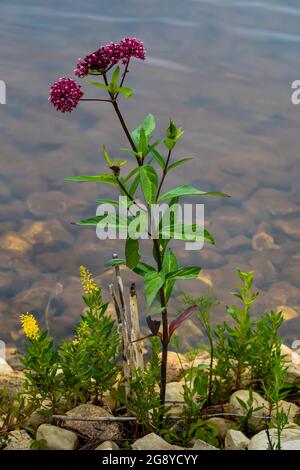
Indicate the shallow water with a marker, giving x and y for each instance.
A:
(223, 70)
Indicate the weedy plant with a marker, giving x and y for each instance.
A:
(78, 370)
(108, 67)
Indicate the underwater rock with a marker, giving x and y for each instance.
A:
(56, 438)
(288, 313)
(263, 241)
(289, 227)
(45, 232)
(272, 201)
(14, 242)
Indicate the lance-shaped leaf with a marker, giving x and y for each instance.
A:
(153, 325)
(148, 125)
(132, 253)
(186, 232)
(189, 272)
(178, 163)
(141, 268)
(153, 281)
(149, 182)
(101, 178)
(181, 318)
(187, 190)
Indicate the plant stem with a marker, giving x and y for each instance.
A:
(164, 174)
(165, 325)
(121, 119)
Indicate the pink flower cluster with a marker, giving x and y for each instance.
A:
(65, 94)
(109, 55)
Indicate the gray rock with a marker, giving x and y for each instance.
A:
(236, 440)
(153, 442)
(258, 402)
(291, 445)
(18, 440)
(202, 445)
(260, 440)
(108, 445)
(56, 438)
(102, 430)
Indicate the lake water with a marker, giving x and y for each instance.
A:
(222, 69)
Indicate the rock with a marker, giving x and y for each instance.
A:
(258, 402)
(18, 440)
(291, 445)
(260, 440)
(56, 438)
(203, 358)
(289, 227)
(272, 201)
(291, 409)
(177, 364)
(296, 358)
(222, 426)
(108, 445)
(288, 313)
(286, 353)
(236, 243)
(202, 445)
(236, 440)
(14, 242)
(153, 442)
(12, 383)
(101, 430)
(293, 374)
(263, 241)
(205, 278)
(45, 232)
(4, 367)
(174, 393)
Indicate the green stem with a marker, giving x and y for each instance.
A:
(164, 174)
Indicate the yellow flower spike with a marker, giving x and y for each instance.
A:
(87, 281)
(83, 329)
(30, 326)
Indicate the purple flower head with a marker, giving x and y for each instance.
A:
(109, 55)
(65, 94)
(132, 47)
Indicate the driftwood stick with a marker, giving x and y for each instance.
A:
(115, 302)
(137, 346)
(96, 418)
(124, 326)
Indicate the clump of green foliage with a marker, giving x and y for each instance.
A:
(79, 370)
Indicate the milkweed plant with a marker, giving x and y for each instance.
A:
(107, 69)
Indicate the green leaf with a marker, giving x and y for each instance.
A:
(153, 281)
(159, 158)
(101, 178)
(143, 142)
(134, 185)
(187, 190)
(132, 253)
(148, 125)
(141, 268)
(169, 265)
(130, 174)
(114, 79)
(100, 85)
(107, 201)
(189, 272)
(149, 182)
(179, 162)
(127, 92)
(180, 231)
(106, 156)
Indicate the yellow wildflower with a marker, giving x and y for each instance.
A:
(30, 325)
(75, 341)
(87, 281)
(83, 329)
